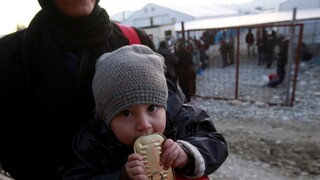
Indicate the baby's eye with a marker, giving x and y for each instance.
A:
(126, 113)
(152, 108)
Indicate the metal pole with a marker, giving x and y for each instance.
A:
(290, 56)
(297, 62)
(237, 64)
(182, 33)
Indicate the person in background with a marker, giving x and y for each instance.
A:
(224, 52)
(137, 107)
(259, 46)
(231, 49)
(196, 64)
(270, 46)
(171, 59)
(46, 74)
(250, 43)
(282, 61)
(203, 57)
(184, 70)
(306, 55)
(262, 43)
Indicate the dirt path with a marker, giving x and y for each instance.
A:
(271, 142)
(270, 150)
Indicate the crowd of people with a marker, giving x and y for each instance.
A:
(265, 42)
(271, 49)
(227, 50)
(65, 99)
(185, 61)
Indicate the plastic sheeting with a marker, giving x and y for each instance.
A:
(249, 20)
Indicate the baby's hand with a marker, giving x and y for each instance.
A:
(173, 155)
(135, 167)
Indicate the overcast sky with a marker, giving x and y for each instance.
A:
(14, 12)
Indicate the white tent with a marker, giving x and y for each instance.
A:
(168, 14)
(249, 20)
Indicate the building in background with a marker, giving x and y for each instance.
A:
(163, 21)
(311, 29)
(159, 20)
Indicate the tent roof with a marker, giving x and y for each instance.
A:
(249, 20)
(200, 11)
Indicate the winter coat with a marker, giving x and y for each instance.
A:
(185, 72)
(100, 155)
(250, 38)
(283, 53)
(45, 93)
(184, 67)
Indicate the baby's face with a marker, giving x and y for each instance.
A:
(138, 120)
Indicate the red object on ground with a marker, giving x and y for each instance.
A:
(273, 77)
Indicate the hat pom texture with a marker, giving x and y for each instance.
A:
(130, 75)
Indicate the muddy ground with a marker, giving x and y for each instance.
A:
(269, 149)
(271, 142)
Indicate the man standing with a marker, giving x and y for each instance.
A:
(282, 61)
(231, 49)
(250, 41)
(224, 52)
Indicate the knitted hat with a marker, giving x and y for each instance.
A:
(130, 75)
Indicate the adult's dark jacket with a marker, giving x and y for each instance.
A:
(101, 156)
(171, 60)
(282, 58)
(184, 71)
(45, 86)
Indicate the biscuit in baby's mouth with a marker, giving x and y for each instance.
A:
(149, 147)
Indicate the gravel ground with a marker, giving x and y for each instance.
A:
(271, 142)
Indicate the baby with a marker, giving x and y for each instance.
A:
(131, 92)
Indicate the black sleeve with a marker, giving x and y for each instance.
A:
(91, 159)
(195, 127)
(12, 92)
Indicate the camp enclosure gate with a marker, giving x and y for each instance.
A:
(245, 80)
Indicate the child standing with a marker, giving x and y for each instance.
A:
(131, 92)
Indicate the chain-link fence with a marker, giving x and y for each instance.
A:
(247, 77)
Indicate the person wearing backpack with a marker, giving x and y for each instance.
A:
(46, 72)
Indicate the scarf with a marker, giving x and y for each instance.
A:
(73, 33)
(51, 87)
